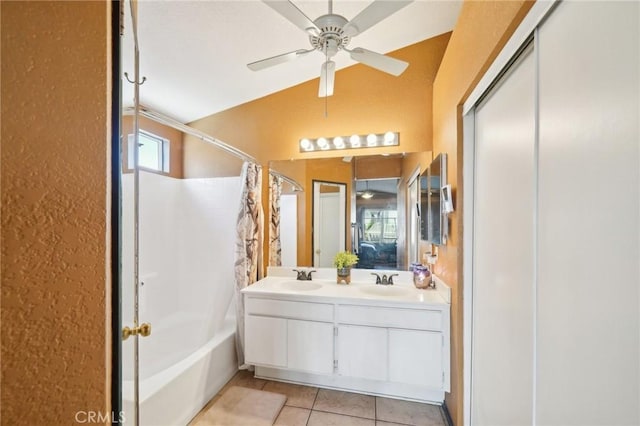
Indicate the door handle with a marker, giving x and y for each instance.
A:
(143, 330)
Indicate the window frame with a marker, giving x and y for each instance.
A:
(163, 144)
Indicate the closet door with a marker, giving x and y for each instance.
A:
(588, 334)
(504, 205)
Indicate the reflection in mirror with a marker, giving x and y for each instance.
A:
(329, 220)
(413, 218)
(433, 223)
(376, 226)
(355, 172)
(283, 213)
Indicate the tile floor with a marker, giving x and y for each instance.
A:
(309, 406)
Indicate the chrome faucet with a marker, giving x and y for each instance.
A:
(302, 275)
(384, 280)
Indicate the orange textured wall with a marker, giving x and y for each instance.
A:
(55, 142)
(482, 29)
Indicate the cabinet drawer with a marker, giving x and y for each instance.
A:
(285, 308)
(417, 319)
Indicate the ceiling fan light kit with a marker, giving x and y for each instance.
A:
(372, 140)
(331, 33)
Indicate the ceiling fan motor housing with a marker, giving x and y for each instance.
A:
(332, 37)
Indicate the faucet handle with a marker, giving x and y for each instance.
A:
(378, 280)
(391, 278)
(309, 274)
(301, 275)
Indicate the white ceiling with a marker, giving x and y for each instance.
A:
(194, 53)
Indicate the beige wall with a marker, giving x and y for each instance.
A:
(204, 160)
(55, 139)
(482, 29)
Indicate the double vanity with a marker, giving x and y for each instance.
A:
(388, 340)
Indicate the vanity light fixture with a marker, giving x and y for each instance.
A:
(350, 142)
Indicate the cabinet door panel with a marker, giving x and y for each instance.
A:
(310, 346)
(266, 341)
(415, 357)
(362, 352)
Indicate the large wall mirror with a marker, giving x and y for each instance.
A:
(433, 221)
(378, 219)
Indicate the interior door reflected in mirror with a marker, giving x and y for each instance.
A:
(329, 221)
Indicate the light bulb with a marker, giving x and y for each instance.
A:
(372, 140)
(389, 138)
(355, 141)
(306, 145)
(338, 142)
(323, 143)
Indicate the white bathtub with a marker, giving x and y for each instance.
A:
(174, 395)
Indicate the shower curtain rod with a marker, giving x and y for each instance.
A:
(168, 121)
(293, 182)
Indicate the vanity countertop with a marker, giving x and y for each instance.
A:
(281, 282)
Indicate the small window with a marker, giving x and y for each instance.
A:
(153, 153)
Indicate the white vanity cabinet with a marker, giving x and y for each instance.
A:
(294, 335)
(397, 345)
(385, 348)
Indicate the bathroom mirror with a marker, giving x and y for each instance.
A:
(433, 225)
(329, 221)
(357, 172)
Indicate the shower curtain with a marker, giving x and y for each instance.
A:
(275, 249)
(249, 229)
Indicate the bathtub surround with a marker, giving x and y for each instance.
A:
(249, 239)
(186, 276)
(176, 394)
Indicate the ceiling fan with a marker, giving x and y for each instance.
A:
(331, 33)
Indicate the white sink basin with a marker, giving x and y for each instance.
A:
(385, 290)
(299, 285)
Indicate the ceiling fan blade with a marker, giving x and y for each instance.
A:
(327, 77)
(275, 60)
(372, 14)
(378, 61)
(294, 15)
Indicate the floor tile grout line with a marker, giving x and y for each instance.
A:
(342, 414)
(315, 398)
(375, 408)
